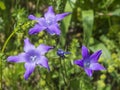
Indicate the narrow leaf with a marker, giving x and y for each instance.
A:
(87, 19)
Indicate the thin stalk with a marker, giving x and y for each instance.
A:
(3, 49)
(1, 72)
(7, 41)
(44, 79)
(62, 72)
(77, 75)
(37, 4)
(59, 78)
(108, 17)
(65, 68)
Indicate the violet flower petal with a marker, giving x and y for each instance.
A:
(32, 17)
(95, 56)
(43, 49)
(88, 72)
(96, 66)
(27, 45)
(29, 69)
(37, 28)
(79, 63)
(42, 22)
(54, 29)
(50, 13)
(43, 62)
(17, 59)
(85, 53)
(61, 16)
(50, 31)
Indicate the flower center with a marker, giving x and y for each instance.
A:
(33, 58)
(50, 21)
(86, 63)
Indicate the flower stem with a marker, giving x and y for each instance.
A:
(64, 67)
(63, 72)
(49, 85)
(1, 70)
(8, 40)
(108, 17)
(3, 49)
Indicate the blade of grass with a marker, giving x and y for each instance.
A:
(87, 19)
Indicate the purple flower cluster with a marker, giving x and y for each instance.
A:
(35, 56)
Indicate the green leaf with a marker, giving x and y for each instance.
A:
(105, 52)
(66, 21)
(107, 3)
(2, 5)
(116, 12)
(87, 19)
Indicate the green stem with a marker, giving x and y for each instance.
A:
(8, 40)
(45, 79)
(77, 75)
(65, 68)
(1, 72)
(108, 17)
(62, 72)
(37, 4)
(3, 49)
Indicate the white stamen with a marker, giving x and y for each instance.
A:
(50, 20)
(33, 58)
(86, 63)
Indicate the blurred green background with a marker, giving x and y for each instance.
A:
(94, 23)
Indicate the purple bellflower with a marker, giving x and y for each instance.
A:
(32, 57)
(49, 22)
(62, 53)
(89, 62)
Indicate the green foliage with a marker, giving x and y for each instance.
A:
(116, 12)
(94, 23)
(87, 19)
(2, 5)
(66, 22)
(105, 53)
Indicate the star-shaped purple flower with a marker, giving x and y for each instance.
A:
(49, 22)
(32, 57)
(89, 62)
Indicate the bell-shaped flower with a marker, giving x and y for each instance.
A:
(49, 22)
(32, 57)
(89, 62)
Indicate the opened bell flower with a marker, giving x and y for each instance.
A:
(89, 62)
(32, 57)
(49, 22)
